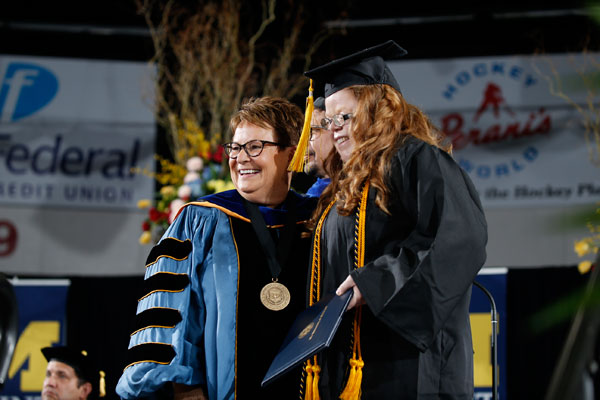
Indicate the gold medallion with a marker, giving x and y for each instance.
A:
(275, 296)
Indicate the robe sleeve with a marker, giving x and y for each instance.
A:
(166, 342)
(421, 276)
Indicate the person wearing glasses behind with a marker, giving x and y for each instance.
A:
(401, 225)
(319, 149)
(228, 277)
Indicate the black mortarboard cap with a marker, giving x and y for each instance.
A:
(78, 360)
(366, 67)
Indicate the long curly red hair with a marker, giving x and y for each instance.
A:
(383, 120)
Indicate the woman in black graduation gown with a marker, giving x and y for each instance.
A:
(402, 226)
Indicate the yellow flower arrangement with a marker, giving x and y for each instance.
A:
(168, 191)
(145, 238)
(588, 246)
(145, 203)
(202, 174)
(219, 185)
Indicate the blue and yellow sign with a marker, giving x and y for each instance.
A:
(42, 322)
(494, 280)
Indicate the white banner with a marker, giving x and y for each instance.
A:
(65, 89)
(75, 164)
(72, 132)
(521, 144)
(71, 242)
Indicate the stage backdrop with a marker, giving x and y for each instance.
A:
(72, 135)
(523, 145)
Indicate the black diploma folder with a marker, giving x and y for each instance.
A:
(311, 332)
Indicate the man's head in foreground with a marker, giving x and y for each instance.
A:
(68, 374)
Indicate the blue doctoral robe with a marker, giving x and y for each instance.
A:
(317, 188)
(187, 322)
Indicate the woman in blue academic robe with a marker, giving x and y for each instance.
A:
(227, 279)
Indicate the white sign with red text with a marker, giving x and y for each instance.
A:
(521, 144)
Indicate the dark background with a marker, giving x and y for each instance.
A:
(427, 29)
(100, 309)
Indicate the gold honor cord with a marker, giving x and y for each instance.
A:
(313, 369)
(316, 261)
(352, 389)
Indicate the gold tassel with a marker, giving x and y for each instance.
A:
(102, 386)
(298, 161)
(346, 394)
(309, 381)
(352, 390)
(312, 380)
(315, 383)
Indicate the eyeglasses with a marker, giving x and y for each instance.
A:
(253, 148)
(314, 130)
(337, 120)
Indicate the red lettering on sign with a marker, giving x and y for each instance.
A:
(453, 125)
(8, 238)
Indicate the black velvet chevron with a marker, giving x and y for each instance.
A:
(160, 353)
(156, 317)
(170, 247)
(165, 282)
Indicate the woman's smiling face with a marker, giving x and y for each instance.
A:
(263, 179)
(342, 102)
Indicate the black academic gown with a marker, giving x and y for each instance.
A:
(260, 331)
(420, 262)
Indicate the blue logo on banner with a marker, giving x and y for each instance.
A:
(26, 88)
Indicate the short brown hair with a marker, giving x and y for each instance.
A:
(285, 118)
